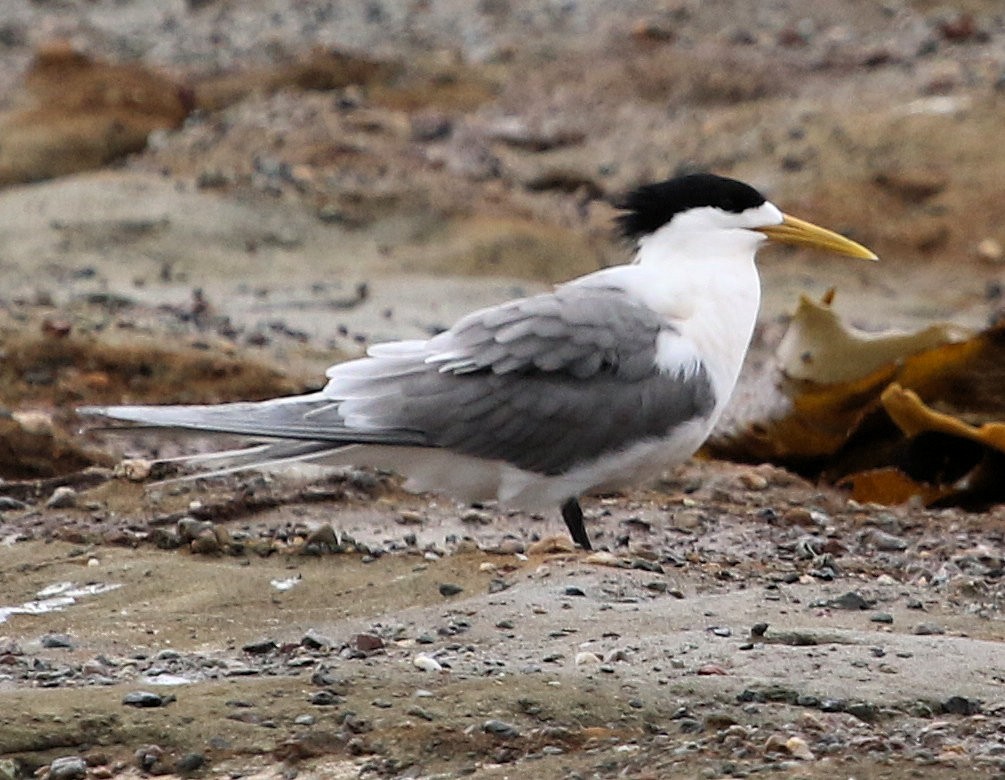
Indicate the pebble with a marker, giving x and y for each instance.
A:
(448, 589)
(410, 517)
(583, 658)
(67, 768)
(990, 250)
(887, 542)
(368, 643)
(881, 617)
(190, 762)
(260, 647)
(325, 699)
(63, 497)
(147, 756)
(603, 558)
(798, 516)
(500, 728)
(135, 469)
(753, 481)
(850, 600)
(797, 747)
(959, 705)
(53, 641)
(426, 663)
(572, 590)
(312, 640)
(145, 699)
(304, 720)
(8, 503)
(927, 629)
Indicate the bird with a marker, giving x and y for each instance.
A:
(604, 382)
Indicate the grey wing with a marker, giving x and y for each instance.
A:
(542, 383)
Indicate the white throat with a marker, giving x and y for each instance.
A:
(706, 283)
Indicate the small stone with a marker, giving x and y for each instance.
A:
(959, 705)
(426, 663)
(551, 544)
(510, 546)
(753, 481)
(928, 629)
(135, 469)
(312, 640)
(476, 517)
(260, 647)
(325, 699)
(54, 641)
(712, 670)
(10, 504)
(500, 728)
(304, 720)
(67, 768)
(190, 762)
(881, 617)
(147, 756)
(990, 250)
(584, 658)
(572, 590)
(850, 600)
(63, 497)
(798, 516)
(797, 747)
(448, 589)
(604, 558)
(368, 643)
(410, 517)
(143, 699)
(887, 542)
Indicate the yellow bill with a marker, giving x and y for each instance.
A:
(798, 231)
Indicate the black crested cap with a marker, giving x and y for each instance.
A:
(651, 206)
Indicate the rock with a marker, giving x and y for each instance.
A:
(927, 629)
(886, 542)
(63, 497)
(260, 647)
(190, 762)
(572, 590)
(145, 699)
(312, 640)
(368, 643)
(325, 699)
(147, 756)
(850, 600)
(796, 746)
(68, 768)
(305, 720)
(135, 469)
(959, 705)
(584, 658)
(551, 544)
(604, 558)
(911, 187)
(881, 617)
(753, 481)
(500, 728)
(53, 641)
(711, 670)
(798, 516)
(448, 589)
(426, 663)
(990, 250)
(8, 503)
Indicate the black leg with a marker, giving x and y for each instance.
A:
(572, 513)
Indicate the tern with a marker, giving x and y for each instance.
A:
(606, 381)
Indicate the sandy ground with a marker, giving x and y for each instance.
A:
(739, 620)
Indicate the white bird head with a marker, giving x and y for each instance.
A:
(719, 215)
